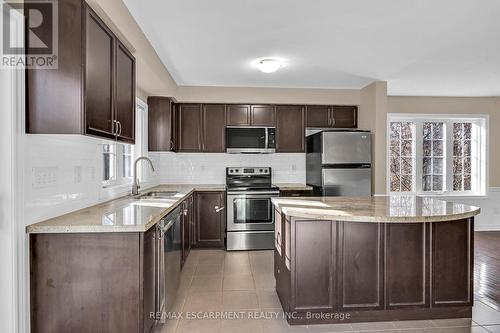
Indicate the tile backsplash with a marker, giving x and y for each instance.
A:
(210, 168)
(62, 173)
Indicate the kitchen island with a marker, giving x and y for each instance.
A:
(343, 259)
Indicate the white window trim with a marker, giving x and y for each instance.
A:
(481, 120)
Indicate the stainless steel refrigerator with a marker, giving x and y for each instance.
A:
(338, 163)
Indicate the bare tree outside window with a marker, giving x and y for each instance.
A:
(401, 156)
(433, 166)
(462, 156)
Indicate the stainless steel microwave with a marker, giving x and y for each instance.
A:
(250, 140)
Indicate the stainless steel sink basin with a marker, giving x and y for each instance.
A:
(159, 195)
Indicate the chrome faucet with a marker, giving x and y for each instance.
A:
(135, 184)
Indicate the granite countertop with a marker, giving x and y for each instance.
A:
(374, 209)
(126, 214)
(293, 187)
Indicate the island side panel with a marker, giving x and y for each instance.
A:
(360, 267)
(313, 264)
(452, 263)
(407, 265)
(85, 282)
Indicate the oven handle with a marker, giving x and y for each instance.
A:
(240, 193)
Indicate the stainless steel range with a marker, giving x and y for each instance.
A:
(250, 217)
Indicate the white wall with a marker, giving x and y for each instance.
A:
(210, 168)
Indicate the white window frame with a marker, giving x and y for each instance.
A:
(481, 121)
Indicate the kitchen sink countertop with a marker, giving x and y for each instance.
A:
(293, 187)
(397, 208)
(125, 214)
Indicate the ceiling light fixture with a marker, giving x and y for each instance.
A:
(268, 65)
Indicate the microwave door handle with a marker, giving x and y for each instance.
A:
(266, 144)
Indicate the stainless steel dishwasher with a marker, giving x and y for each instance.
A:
(168, 261)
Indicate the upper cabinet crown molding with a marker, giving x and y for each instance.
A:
(92, 91)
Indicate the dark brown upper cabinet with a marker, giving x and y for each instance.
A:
(99, 78)
(251, 115)
(318, 116)
(92, 91)
(161, 124)
(290, 128)
(189, 127)
(262, 115)
(343, 116)
(238, 115)
(125, 94)
(214, 128)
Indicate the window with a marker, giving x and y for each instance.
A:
(401, 156)
(117, 164)
(430, 154)
(127, 161)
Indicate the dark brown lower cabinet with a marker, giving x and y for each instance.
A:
(210, 219)
(89, 282)
(373, 271)
(187, 227)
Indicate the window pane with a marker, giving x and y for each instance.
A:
(108, 162)
(433, 156)
(127, 161)
(437, 131)
(462, 152)
(437, 166)
(437, 183)
(426, 183)
(401, 156)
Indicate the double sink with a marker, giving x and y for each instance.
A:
(159, 195)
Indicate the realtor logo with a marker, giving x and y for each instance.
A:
(29, 34)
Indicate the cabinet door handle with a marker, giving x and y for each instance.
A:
(218, 209)
(185, 212)
(333, 121)
(119, 128)
(115, 127)
(171, 145)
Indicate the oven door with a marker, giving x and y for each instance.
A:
(250, 211)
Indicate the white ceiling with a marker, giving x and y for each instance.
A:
(420, 47)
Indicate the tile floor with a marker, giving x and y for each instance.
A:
(218, 281)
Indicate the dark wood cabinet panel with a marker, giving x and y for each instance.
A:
(93, 89)
(161, 123)
(54, 97)
(452, 263)
(290, 129)
(149, 282)
(344, 116)
(313, 262)
(210, 224)
(85, 282)
(125, 94)
(214, 128)
(99, 77)
(407, 285)
(238, 115)
(361, 282)
(318, 116)
(263, 115)
(187, 225)
(189, 127)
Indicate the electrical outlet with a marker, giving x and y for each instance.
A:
(495, 210)
(44, 177)
(294, 167)
(78, 174)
